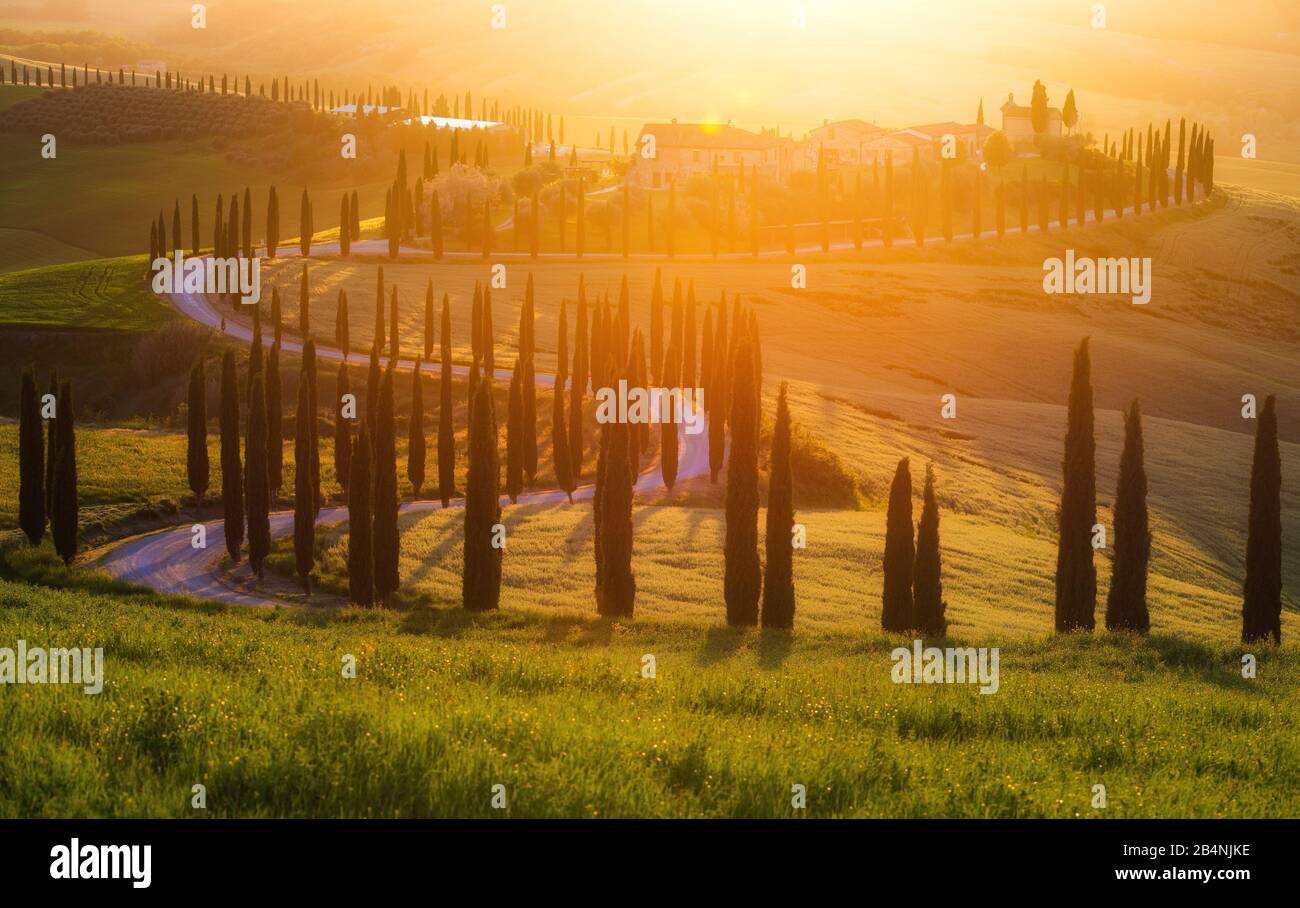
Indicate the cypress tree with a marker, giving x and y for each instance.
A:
(380, 332)
(304, 512)
(446, 432)
(688, 347)
(361, 556)
(742, 579)
(305, 229)
(1261, 609)
(196, 454)
(1076, 576)
(342, 431)
(232, 485)
(386, 540)
(718, 377)
(276, 315)
(778, 582)
(489, 346)
(706, 359)
(559, 428)
(272, 223)
(578, 386)
(51, 447)
(372, 398)
(309, 369)
(257, 489)
(31, 462)
(640, 379)
(528, 381)
(219, 229)
(394, 346)
(345, 226)
(304, 306)
(63, 517)
(436, 225)
(1024, 199)
(341, 338)
(481, 579)
(668, 453)
(176, 226)
(415, 449)
(897, 611)
(657, 330)
(617, 585)
(1126, 603)
(274, 424)
(428, 322)
(514, 439)
(927, 579)
(247, 225)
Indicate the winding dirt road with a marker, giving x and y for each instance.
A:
(165, 560)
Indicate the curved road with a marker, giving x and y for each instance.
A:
(165, 560)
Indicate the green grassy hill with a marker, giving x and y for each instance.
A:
(552, 705)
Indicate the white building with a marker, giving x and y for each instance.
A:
(1018, 121)
(681, 150)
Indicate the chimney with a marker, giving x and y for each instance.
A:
(1011, 97)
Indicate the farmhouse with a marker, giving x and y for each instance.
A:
(1018, 124)
(844, 141)
(684, 149)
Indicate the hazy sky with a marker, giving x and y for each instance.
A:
(892, 61)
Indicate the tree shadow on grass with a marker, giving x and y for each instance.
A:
(721, 643)
(577, 630)
(774, 647)
(450, 621)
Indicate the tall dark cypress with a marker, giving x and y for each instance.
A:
(276, 315)
(257, 489)
(380, 333)
(305, 228)
(514, 437)
(51, 444)
(559, 426)
(196, 454)
(706, 359)
(63, 517)
(304, 306)
(446, 431)
(372, 396)
(657, 330)
(1261, 609)
(927, 573)
(481, 579)
(617, 585)
(668, 437)
(1076, 576)
(361, 556)
(342, 430)
(578, 387)
(428, 322)
(232, 483)
(31, 462)
(897, 611)
(309, 371)
(386, 542)
(341, 328)
(274, 423)
(528, 382)
(688, 350)
(1126, 603)
(778, 581)
(742, 579)
(394, 345)
(598, 512)
(345, 226)
(415, 443)
(721, 393)
(304, 511)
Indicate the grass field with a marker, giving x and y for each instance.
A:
(105, 293)
(552, 705)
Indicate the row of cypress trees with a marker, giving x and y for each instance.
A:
(47, 481)
(232, 231)
(912, 595)
(1126, 606)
